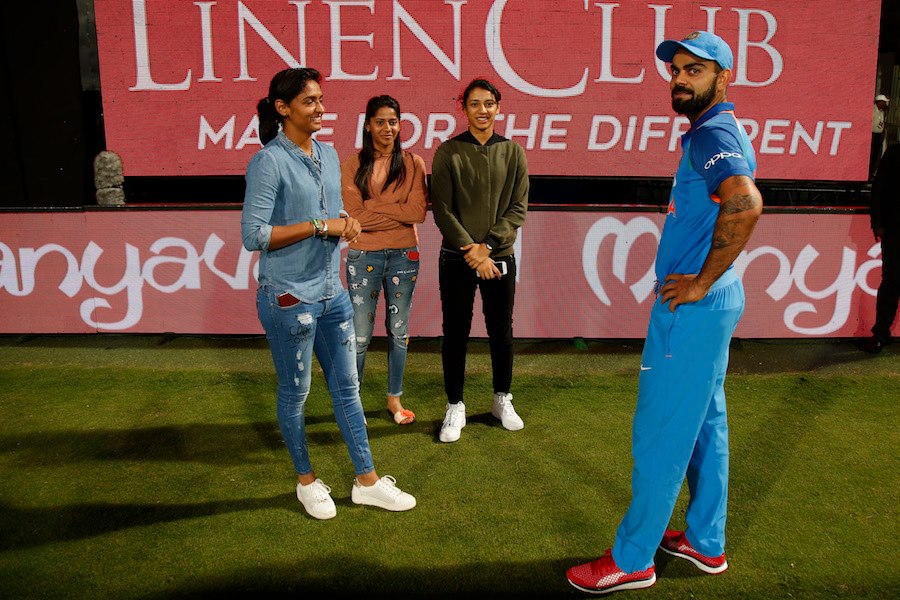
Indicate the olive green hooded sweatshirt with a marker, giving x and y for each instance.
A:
(479, 193)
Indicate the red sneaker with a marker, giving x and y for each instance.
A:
(602, 576)
(675, 543)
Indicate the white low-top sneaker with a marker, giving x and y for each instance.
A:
(384, 494)
(502, 408)
(454, 421)
(316, 499)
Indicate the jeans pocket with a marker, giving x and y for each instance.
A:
(287, 300)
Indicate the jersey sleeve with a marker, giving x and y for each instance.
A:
(717, 154)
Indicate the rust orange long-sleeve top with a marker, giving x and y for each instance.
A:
(389, 217)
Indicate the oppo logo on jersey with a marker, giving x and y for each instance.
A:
(719, 156)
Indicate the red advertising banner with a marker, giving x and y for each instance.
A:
(156, 271)
(582, 90)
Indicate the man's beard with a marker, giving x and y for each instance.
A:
(696, 103)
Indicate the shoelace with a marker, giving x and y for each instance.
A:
(390, 485)
(507, 408)
(453, 418)
(321, 492)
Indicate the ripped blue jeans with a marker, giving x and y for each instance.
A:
(294, 333)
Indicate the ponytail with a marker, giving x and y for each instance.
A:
(269, 120)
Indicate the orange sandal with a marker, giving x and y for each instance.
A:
(404, 417)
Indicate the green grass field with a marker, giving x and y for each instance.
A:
(152, 467)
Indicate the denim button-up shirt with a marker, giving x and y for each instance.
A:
(285, 186)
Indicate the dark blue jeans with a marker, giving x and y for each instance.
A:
(458, 283)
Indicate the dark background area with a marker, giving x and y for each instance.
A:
(51, 119)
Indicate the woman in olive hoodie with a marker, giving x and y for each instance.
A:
(479, 196)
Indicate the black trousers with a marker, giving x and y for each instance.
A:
(889, 290)
(458, 283)
(875, 152)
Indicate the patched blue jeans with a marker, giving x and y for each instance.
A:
(368, 273)
(294, 333)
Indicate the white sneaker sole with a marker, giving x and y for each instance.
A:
(514, 427)
(700, 565)
(631, 585)
(320, 516)
(450, 438)
(364, 501)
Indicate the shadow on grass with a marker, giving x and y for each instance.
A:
(32, 527)
(785, 356)
(347, 575)
(780, 433)
(214, 444)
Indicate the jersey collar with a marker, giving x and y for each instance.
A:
(709, 114)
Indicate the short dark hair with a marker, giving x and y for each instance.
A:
(475, 84)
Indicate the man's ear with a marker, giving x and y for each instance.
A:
(723, 79)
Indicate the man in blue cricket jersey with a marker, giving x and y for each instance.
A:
(680, 427)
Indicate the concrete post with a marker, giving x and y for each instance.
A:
(108, 179)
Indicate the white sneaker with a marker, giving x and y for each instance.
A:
(316, 499)
(454, 421)
(384, 494)
(502, 408)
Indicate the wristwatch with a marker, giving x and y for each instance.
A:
(488, 246)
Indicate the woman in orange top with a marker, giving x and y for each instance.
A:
(384, 188)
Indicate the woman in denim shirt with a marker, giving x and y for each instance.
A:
(385, 188)
(293, 215)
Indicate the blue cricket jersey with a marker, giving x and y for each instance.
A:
(715, 148)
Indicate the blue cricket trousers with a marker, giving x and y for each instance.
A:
(680, 427)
